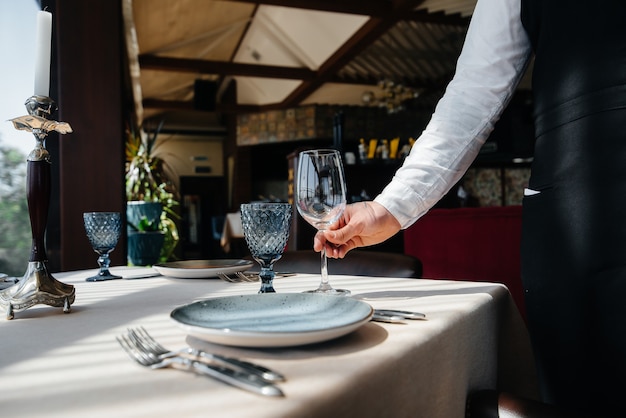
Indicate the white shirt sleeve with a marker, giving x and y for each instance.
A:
(493, 60)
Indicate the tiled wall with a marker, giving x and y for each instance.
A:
(278, 126)
(316, 121)
(485, 185)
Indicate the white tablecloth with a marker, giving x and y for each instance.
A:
(70, 365)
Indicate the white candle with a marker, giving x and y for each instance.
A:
(42, 56)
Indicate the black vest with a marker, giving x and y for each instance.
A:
(580, 57)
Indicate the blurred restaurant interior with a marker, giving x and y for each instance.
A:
(232, 90)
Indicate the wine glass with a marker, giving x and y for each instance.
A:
(320, 197)
(266, 231)
(103, 230)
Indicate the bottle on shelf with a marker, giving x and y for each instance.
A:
(384, 150)
(362, 150)
(393, 148)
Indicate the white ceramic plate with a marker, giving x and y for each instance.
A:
(201, 269)
(134, 272)
(272, 320)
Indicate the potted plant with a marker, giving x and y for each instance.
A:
(145, 237)
(152, 198)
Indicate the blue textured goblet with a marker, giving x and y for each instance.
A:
(266, 230)
(103, 230)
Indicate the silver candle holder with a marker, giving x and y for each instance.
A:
(38, 286)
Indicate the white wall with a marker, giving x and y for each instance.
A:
(191, 155)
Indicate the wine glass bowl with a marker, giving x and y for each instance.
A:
(266, 228)
(103, 230)
(320, 198)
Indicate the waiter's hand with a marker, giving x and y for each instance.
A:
(362, 224)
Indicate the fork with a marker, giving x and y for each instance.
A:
(226, 375)
(248, 277)
(140, 337)
(239, 277)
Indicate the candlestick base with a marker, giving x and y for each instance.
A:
(36, 287)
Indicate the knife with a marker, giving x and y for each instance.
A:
(402, 314)
(237, 378)
(395, 316)
(262, 372)
(378, 317)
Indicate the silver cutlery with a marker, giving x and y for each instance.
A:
(241, 276)
(236, 378)
(142, 338)
(235, 278)
(254, 276)
(404, 314)
(395, 316)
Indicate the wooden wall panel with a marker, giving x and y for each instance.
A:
(87, 84)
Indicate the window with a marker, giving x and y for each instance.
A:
(17, 41)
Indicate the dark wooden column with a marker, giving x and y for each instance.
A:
(241, 181)
(88, 164)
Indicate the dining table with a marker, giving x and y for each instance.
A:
(57, 364)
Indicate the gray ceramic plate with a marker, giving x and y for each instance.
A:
(272, 320)
(201, 269)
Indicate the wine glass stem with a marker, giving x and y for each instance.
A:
(324, 285)
(267, 279)
(104, 261)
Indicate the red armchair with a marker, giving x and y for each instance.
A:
(476, 244)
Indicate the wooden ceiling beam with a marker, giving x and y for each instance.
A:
(187, 105)
(378, 8)
(153, 62)
(424, 16)
(364, 37)
(384, 15)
